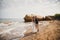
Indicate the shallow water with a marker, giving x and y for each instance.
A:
(15, 30)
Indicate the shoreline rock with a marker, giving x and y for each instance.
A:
(28, 18)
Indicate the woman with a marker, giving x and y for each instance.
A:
(35, 21)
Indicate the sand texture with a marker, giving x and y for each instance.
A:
(50, 31)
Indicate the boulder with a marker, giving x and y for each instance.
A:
(28, 18)
(49, 18)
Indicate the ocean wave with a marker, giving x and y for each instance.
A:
(14, 29)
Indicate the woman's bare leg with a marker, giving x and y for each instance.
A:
(37, 27)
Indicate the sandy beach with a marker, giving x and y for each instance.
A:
(29, 19)
(48, 30)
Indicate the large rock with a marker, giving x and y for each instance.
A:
(49, 18)
(28, 18)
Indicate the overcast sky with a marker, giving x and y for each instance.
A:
(18, 8)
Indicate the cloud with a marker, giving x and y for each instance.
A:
(18, 8)
(58, 0)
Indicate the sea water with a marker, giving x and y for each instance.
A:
(14, 29)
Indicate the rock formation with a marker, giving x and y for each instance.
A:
(28, 18)
(49, 18)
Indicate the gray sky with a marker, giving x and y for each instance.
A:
(18, 8)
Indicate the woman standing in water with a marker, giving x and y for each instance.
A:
(35, 21)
